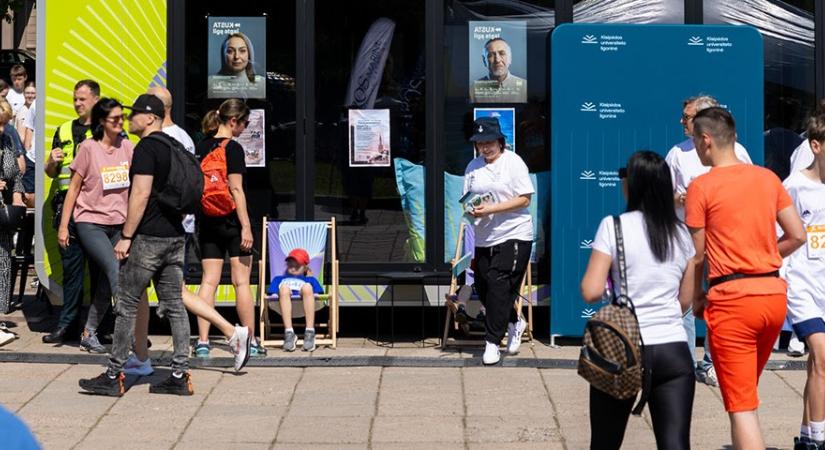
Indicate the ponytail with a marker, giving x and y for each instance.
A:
(232, 108)
(210, 123)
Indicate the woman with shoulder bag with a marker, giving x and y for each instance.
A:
(11, 199)
(659, 279)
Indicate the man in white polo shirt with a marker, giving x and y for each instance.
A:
(685, 166)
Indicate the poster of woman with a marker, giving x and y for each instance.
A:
(237, 57)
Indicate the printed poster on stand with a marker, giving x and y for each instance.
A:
(237, 57)
(498, 62)
(253, 139)
(369, 138)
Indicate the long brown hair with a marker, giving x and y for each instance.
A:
(232, 108)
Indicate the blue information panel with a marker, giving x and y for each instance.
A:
(617, 89)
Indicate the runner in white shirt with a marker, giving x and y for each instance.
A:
(685, 166)
(805, 274)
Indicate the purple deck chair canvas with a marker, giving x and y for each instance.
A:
(318, 239)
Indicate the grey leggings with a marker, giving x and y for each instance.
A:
(98, 243)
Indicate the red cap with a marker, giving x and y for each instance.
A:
(300, 256)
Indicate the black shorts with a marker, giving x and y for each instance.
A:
(218, 236)
(28, 177)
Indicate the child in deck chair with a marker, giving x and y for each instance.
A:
(297, 281)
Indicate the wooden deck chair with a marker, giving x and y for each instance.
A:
(459, 265)
(319, 240)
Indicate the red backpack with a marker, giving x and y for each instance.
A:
(216, 201)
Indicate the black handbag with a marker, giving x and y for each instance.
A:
(11, 216)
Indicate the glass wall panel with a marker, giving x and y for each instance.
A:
(629, 11)
(787, 28)
(523, 109)
(370, 55)
(270, 183)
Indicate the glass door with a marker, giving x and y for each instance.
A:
(370, 130)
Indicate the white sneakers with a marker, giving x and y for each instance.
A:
(6, 337)
(796, 348)
(514, 333)
(135, 366)
(491, 354)
(239, 343)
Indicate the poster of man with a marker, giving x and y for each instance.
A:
(237, 57)
(498, 55)
(369, 138)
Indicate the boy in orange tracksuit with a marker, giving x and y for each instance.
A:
(731, 212)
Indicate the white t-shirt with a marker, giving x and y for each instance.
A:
(685, 166)
(506, 178)
(802, 156)
(805, 270)
(653, 286)
(31, 121)
(15, 99)
(180, 135)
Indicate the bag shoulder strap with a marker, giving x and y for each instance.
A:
(625, 299)
(620, 256)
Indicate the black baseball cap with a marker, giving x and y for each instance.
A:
(486, 129)
(147, 104)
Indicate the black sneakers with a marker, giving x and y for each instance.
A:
(104, 384)
(173, 385)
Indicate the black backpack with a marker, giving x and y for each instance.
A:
(184, 186)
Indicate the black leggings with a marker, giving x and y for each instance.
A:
(670, 401)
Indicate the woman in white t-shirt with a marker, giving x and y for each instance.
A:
(503, 233)
(660, 283)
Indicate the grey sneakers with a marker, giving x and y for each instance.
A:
(290, 341)
(309, 341)
(90, 343)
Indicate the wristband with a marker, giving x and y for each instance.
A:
(123, 236)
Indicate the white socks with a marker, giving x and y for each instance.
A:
(289, 330)
(817, 430)
(310, 329)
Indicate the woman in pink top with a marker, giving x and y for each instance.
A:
(97, 199)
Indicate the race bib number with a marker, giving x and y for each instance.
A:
(816, 241)
(116, 177)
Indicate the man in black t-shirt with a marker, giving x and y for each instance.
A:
(152, 246)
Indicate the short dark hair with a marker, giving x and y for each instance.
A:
(718, 123)
(101, 111)
(91, 84)
(816, 127)
(17, 69)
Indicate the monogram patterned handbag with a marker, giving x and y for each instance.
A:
(611, 357)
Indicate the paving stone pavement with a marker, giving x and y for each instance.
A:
(354, 407)
(372, 406)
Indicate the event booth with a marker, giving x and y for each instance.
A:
(362, 110)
